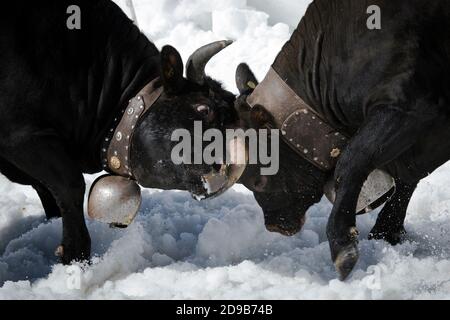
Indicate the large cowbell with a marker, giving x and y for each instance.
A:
(114, 200)
(377, 190)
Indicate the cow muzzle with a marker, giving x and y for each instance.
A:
(217, 182)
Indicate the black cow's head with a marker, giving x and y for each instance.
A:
(183, 102)
(286, 196)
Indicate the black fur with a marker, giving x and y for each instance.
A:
(60, 91)
(389, 89)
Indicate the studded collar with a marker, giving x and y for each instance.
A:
(302, 128)
(117, 145)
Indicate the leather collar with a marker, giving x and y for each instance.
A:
(302, 128)
(117, 146)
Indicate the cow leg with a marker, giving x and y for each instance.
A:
(390, 222)
(44, 158)
(17, 176)
(51, 209)
(387, 133)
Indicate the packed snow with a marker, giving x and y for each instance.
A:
(182, 249)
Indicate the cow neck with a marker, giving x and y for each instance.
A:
(302, 128)
(117, 145)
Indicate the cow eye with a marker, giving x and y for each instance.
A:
(202, 109)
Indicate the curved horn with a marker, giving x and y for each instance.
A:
(200, 58)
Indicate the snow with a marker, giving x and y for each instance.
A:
(181, 249)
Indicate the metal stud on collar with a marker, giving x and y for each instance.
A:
(115, 163)
(335, 153)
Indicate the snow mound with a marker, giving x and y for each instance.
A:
(182, 249)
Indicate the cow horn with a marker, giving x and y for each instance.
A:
(200, 58)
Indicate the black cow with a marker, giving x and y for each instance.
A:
(61, 90)
(388, 88)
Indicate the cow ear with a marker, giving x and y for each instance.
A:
(245, 79)
(171, 69)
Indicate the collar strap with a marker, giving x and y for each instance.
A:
(302, 128)
(116, 153)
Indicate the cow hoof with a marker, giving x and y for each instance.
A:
(344, 252)
(346, 261)
(69, 254)
(392, 237)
